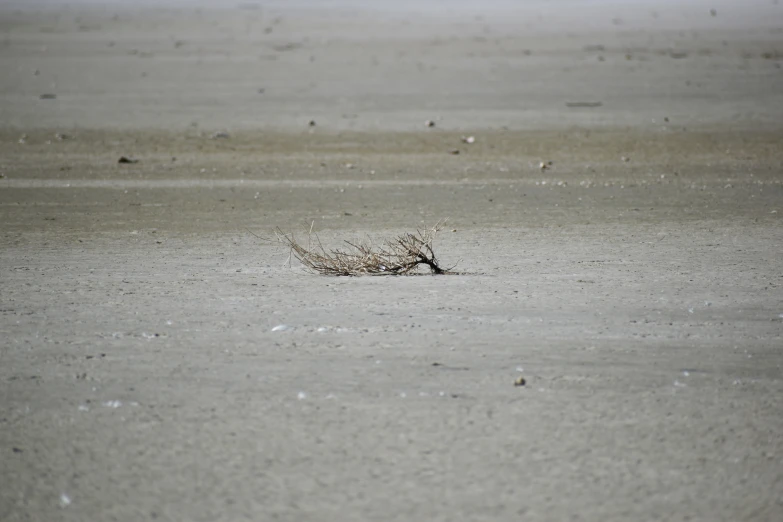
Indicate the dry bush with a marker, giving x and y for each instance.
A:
(399, 256)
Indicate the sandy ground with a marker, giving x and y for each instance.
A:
(635, 283)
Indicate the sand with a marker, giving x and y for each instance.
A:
(160, 358)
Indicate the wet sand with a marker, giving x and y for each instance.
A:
(635, 282)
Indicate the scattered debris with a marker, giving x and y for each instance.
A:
(429, 123)
(455, 368)
(520, 381)
(62, 137)
(286, 47)
(594, 48)
(220, 135)
(23, 139)
(468, 139)
(454, 151)
(281, 328)
(544, 165)
(625, 159)
(48, 96)
(584, 104)
(127, 159)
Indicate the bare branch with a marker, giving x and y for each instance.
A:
(397, 256)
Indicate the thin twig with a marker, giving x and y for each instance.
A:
(398, 256)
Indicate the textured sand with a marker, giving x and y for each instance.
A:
(635, 283)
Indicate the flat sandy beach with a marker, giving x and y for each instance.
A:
(161, 358)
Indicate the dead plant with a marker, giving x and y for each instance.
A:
(398, 256)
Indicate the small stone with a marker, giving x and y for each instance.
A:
(520, 381)
(48, 96)
(429, 123)
(311, 123)
(127, 159)
(454, 151)
(468, 139)
(221, 135)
